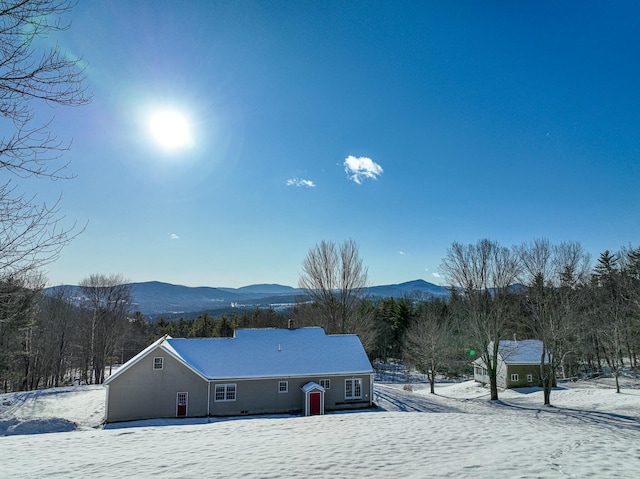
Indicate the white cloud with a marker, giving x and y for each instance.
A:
(426, 269)
(436, 275)
(360, 168)
(300, 182)
(402, 253)
(173, 236)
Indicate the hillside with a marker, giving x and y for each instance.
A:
(589, 432)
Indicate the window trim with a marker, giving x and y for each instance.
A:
(529, 378)
(515, 377)
(185, 395)
(353, 384)
(158, 360)
(229, 392)
(282, 389)
(325, 383)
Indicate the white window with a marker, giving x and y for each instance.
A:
(514, 377)
(158, 362)
(283, 387)
(530, 378)
(325, 383)
(353, 388)
(225, 392)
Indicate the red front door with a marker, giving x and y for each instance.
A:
(314, 403)
(182, 405)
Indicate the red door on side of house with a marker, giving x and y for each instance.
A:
(314, 403)
(182, 405)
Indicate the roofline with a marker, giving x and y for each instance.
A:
(288, 376)
(136, 358)
(173, 353)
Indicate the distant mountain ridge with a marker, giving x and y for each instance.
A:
(155, 299)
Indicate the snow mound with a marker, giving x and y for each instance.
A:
(52, 410)
(13, 427)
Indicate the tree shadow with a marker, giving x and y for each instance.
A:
(392, 399)
(610, 420)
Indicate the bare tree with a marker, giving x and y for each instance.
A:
(334, 278)
(59, 321)
(109, 299)
(483, 275)
(610, 306)
(18, 344)
(552, 274)
(31, 234)
(427, 341)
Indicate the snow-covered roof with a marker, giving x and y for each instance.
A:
(527, 351)
(264, 353)
(310, 386)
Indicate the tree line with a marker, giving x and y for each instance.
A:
(588, 318)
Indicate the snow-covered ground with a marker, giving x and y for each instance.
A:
(589, 432)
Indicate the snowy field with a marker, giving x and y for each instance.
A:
(589, 432)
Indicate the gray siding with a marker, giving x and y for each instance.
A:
(143, 392)
(261, 396)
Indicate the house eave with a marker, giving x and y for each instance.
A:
(289, 376)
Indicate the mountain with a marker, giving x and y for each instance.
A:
(412, 289)
(155, 299)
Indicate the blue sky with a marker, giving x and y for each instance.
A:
(403, 125)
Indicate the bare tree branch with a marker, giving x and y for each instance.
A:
(32, 234)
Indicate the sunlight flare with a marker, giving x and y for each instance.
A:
(170, 130)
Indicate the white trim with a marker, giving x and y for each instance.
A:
(106, 405)
(209, 398)
(312, 388)
(227, 387)
(156, 362)
(137, 358)
(286, 387)
(169, 350)
(186, 403)
(354, 381)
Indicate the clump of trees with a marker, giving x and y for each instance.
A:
(587, 318)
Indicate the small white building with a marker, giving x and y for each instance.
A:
(518, 364)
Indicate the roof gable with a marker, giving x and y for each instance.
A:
(263, 353)
(156, 344)
(312, 386)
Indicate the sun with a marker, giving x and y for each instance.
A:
(170, 129)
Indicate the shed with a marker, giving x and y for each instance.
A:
(518, 364)
(258, 371)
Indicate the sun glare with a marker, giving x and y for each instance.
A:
(170, 130)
